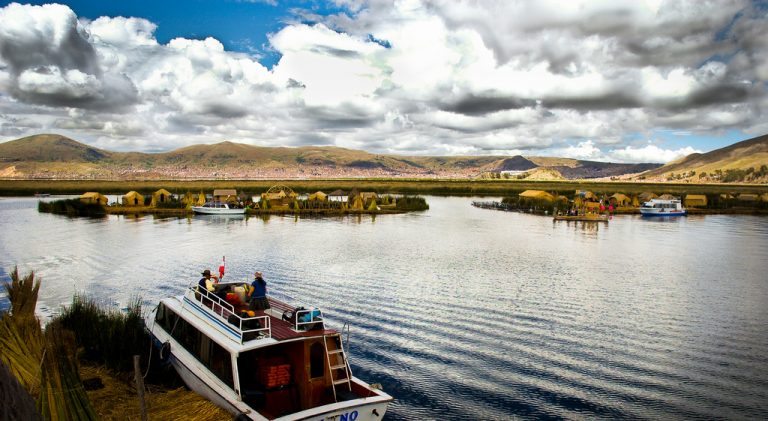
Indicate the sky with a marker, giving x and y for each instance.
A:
(606, 80)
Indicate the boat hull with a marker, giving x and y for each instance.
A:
(201, 382)
(662, 212)
(217, 211)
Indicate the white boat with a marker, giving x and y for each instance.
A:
(277, 364)
(217, 208)
(663, 207)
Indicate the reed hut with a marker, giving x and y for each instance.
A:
(189, 199)
(357, 203)
(318, 196)
(620, 200)
(635, 201)
(748, 197)
(161, 196)
(695, 200)
(368, 197)
(667, 196)
(646, 196)
(133, 198)
(587, 196)
(94, 198)
(225, 195)
(537, 195)
(278, 196)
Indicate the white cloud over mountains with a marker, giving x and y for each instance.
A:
(411, 77)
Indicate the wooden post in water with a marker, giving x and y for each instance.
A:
(140, 387)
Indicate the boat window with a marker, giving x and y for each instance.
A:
(316, 360)
(208, 352)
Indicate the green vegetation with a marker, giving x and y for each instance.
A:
(411, 203)
(106, 336)
(72, 207)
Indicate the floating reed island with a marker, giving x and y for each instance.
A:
(277, 199)
(82, 365)
(581, 203)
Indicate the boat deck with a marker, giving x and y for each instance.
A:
(260, 323)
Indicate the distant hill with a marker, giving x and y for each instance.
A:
(55, 156)
(50, 148)
(745, 161)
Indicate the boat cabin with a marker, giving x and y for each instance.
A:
(282, 362)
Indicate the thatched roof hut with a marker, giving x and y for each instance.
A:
(695, 200)
(318, 196)
(133, 198)
(161, 196)
(586, 195)
(646, 196)
(667, 196)
(748, 197)
(619, 199)
(95, 198)
(537, 194)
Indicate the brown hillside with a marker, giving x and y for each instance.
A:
(50, 148)
(751, 153)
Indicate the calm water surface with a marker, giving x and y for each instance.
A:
(465, 313)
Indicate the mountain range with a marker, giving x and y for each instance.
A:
(52, 156)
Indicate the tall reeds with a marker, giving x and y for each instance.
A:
(44, 363)
(72, 207)
(106, 336)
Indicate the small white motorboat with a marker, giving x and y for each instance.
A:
(663, 207)
(282, 363)
(217, 208)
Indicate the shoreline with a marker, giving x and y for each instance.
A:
(437, 187)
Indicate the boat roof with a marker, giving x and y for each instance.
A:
(220, 321)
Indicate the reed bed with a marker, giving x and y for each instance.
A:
(106, 336)
(459, 187)
(72, 207)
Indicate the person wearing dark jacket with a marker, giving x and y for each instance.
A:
(259, 293)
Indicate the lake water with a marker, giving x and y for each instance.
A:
(466, 313)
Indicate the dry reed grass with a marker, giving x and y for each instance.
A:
(118, 400)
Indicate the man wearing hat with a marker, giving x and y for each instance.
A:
(207, 281)
(259, 293)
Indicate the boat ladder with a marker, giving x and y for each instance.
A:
(338, 365)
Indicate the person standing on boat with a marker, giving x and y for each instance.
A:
(208, 281)
(259, 293)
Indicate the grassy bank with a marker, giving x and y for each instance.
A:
(79, 367)
(398, 186)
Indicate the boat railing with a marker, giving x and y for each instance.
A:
(246, 328)
(306, 318)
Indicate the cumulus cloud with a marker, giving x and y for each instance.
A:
(575, 78)
(649, 153)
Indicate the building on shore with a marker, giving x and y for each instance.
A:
(133, 198)
(161, 196)
(94, 198)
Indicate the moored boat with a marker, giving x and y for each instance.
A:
(282, 363)
(663, 207)
(218, 208)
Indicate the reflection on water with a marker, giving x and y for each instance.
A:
(465, 313)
